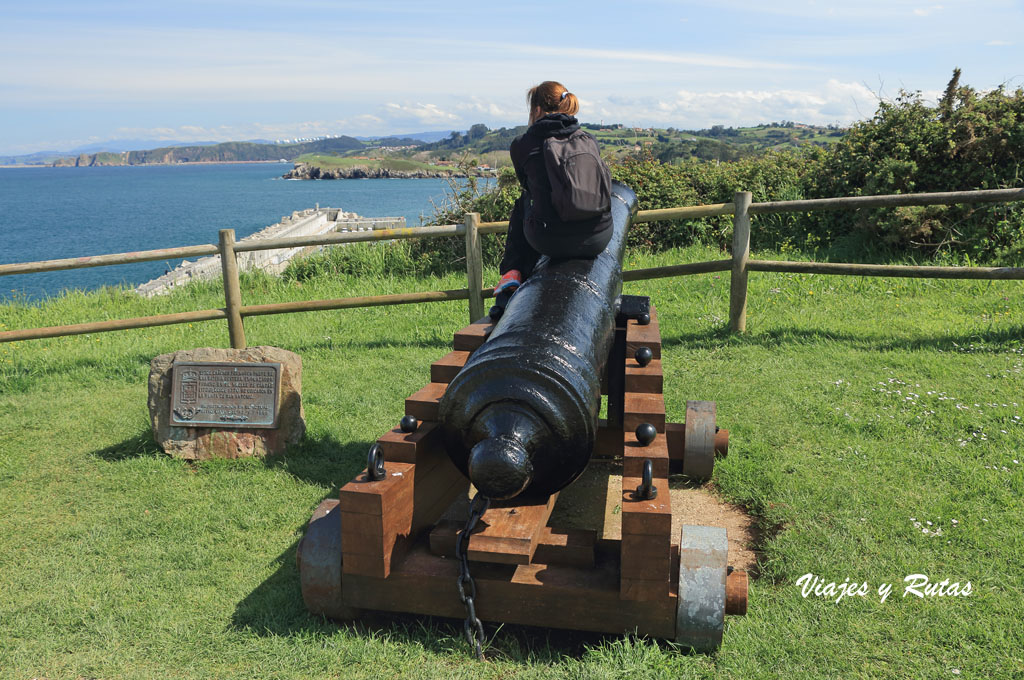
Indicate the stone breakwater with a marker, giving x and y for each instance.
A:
(310, 222)
(306, 171)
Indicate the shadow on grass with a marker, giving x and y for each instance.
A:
(435, 343)
(139, 446)
(275, 608)
(779, 337)
(327, 344)
(323, 461)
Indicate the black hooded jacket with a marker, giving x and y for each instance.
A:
(544, 230)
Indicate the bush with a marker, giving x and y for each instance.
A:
(465, 195)
(770, 177)
(968, 141)
(374, 260)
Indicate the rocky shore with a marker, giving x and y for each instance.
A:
(306, 171)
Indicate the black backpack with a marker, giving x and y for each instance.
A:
(581, 186)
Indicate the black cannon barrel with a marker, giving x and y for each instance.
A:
(521, 416)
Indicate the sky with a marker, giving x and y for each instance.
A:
(74, 73)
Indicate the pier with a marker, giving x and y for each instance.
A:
(315, 221)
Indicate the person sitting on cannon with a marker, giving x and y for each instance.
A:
(564, 210)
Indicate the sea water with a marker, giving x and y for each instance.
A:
(51, 213)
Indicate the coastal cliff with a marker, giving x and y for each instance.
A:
(308, 171)
(226, 152)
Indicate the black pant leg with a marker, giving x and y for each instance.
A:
(519, 254)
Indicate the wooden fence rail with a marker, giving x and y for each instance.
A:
(740, 264)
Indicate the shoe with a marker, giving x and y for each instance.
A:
(510, 280)
(500, 302)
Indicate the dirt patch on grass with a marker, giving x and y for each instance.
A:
(593, 502)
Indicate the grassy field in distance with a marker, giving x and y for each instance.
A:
(329, 161)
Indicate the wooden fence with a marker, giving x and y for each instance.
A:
(472, 229)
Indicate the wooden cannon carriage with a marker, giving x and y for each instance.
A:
(394, 538)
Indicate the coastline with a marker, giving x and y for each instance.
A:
(143, 165)
(84, 214)
(307, 171)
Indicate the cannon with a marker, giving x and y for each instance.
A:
(515, 409)
(522, 414)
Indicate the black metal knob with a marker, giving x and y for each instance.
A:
(645, 433)
(500, 467)
(408, 424)
(375, 464)
(643, 319)
(643, 355)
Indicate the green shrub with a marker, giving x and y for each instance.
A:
(770, 177)
(967, 141)
(374, 260)
(494, 203)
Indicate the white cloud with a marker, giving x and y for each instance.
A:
(428, 114)
(925, 11)
(833, 102)
(492, 110)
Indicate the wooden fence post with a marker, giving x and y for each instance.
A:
(740, 256)
(232, 291)
(474, 267)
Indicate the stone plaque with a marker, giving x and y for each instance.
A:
(225, 394)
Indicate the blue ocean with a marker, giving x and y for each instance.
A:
(50, 213)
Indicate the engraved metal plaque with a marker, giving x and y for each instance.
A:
(224, 394)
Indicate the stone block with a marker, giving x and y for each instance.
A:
(200, 443)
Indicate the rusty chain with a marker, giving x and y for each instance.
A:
(472, 626)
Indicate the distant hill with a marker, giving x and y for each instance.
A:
(318, 166)
(225, 152)
(37, 158)
(119, 145)
(397, 141)
(109, 146)
(482, 150)
(426, 137)
(486, 146)
(618, 141)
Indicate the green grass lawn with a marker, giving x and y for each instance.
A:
(876, 433)
(330, 162)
